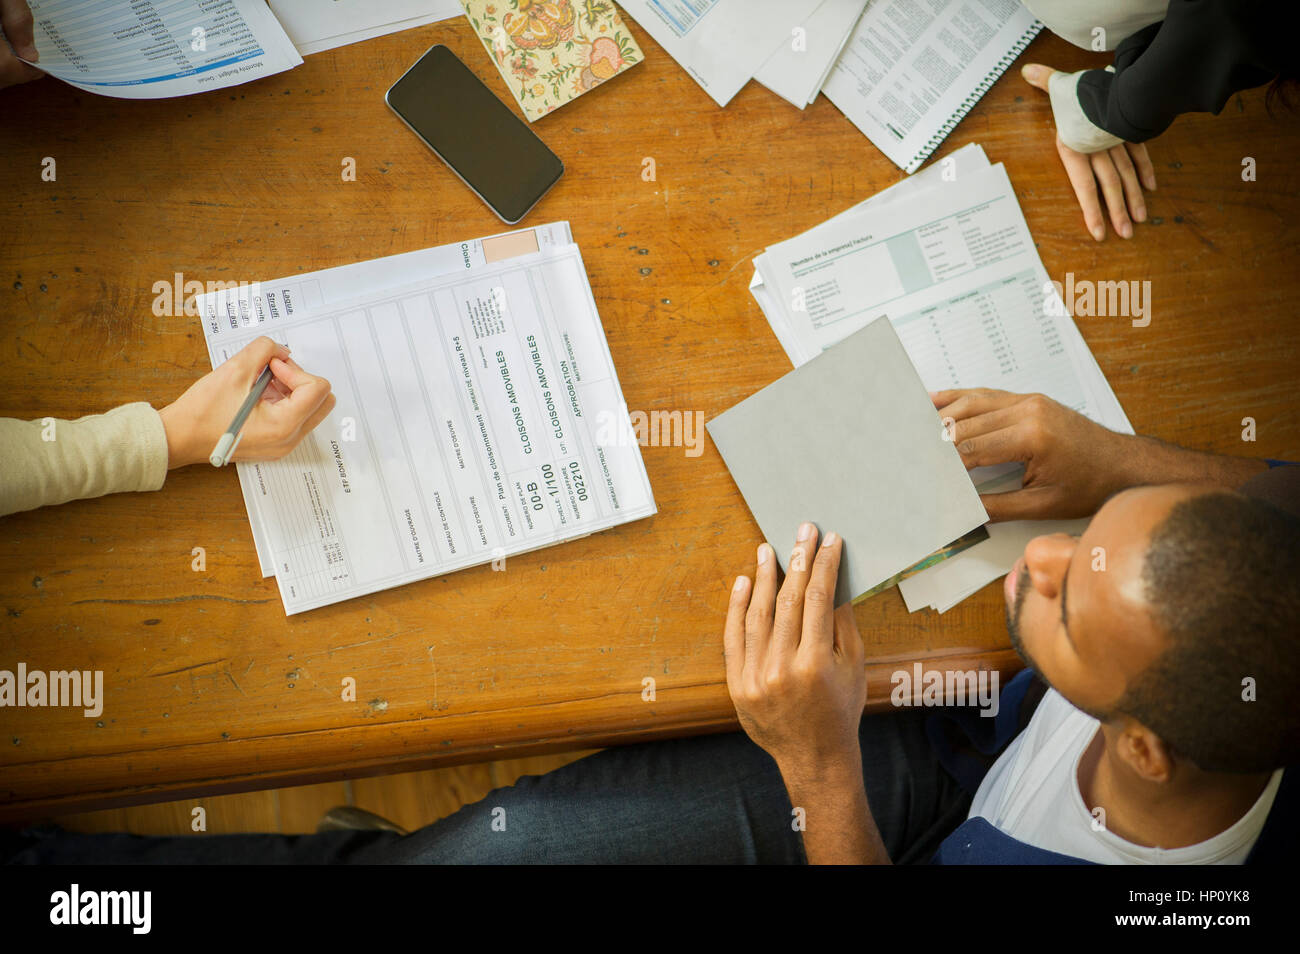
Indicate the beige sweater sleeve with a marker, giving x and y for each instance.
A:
(50, 461)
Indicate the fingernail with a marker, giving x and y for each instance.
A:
(763, 549)
(740, 584)
(1099, 233)
(1141, 215)
(805, 531)
(1126, 230)
(831, 539)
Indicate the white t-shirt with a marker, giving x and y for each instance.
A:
(1032, 794)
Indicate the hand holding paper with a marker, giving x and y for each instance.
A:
(851, 440)
(1072, 464)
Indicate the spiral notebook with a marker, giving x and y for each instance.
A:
(910, 72)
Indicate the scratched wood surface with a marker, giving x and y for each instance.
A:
(210, 689)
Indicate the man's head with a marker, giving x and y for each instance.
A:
(1175, 620)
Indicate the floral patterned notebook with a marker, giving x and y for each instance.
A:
(552, 52)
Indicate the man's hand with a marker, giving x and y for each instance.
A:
(293, 404)
(795, 673)
(1121, 171)
(16, 24)
(1071, 463)
(794, 665)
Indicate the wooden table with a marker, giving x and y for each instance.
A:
(210, 688)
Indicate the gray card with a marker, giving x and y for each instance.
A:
(852, 442)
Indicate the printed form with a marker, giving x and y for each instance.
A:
(956, 271)
(469, 427)
(263, 305)
(149, 49)
(953, 266)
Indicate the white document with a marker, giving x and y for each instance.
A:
(953, 266)
(801, 63)
(262, 306)
(721, 43)
(476, 419)
(964, 160)
(911, 71)
(314, 25)
(956, 271)
(151, 49)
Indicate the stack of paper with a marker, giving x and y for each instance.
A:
(903, 72)
(724, 44)
(477, 414)
(800, 65)
(947, 256)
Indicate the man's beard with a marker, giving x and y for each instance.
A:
(1013, 617)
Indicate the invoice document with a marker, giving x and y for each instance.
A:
(948, 257)
(472, 421)
(956, 271)
(263, 304)
(150, 49)
(800, 349)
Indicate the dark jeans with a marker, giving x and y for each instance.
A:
(709, 799)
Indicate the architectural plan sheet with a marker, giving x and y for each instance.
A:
(150, 49)
(470, 426)
(262, 305)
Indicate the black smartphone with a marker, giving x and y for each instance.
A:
(490, 148)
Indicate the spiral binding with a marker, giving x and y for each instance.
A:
(969, 102)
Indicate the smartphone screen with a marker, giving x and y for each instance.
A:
(462, 121)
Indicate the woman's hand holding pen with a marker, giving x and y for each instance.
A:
(293, 404)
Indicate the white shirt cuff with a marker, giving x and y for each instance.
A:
(1073, 126)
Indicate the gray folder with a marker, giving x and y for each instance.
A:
(852, 442)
